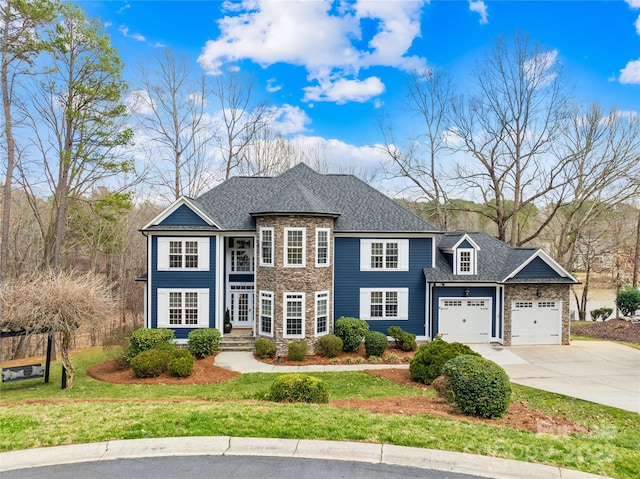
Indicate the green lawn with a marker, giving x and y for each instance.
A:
(96, 411)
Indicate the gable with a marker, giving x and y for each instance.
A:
(465, 244)
(183, 215)
(537, 268)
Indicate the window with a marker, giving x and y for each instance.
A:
(295, 245)
(384, 255)
(240, 255)
(322, 313)
(452, 303)
(183, 308)
(390, 304)
(266, 246)
(183, 254)
(266, 313)
(293, 315)
(322, 247)
(465, 261)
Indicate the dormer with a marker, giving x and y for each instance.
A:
(464, 255)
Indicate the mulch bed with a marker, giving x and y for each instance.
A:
(613, 329)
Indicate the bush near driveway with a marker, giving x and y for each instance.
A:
(628, 300)
(428, 361)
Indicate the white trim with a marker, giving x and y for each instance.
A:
(547, 259)
(149, 310)
(163, 307)
(328, 263)
(486, 330)
(183, 200)
(268, 295)
(473, 262)
(162, 253)
(272, 249)
(220, 283)
(326, 296)
(285, 300)
(403, 254)
(285, 259)
(382, 234)
(461, 240)
(403, 304)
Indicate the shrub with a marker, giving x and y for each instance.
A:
(375, 359)
(151, 363)
(628, 300)
(330, 345)
(427, 363)
(203, 342)
(297, 351)
(375, 343)
(443, 388)
(351, 331)
(143, 339)
(480, 387)
(181, 367)
(265, 348)
(601, 313)
(392, 358)
(405, 341)
(299, 388)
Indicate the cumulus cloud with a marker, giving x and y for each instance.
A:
(326, 37)
(631, 73)
(290, 119)
(139, 102)
(272, 87)
(479, 7)
(136, 36)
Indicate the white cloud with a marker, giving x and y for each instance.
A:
(540, 67)
(271, 87)
(479, 7)
(136, 36)
(631, 72)
(638, 25)
(325, 37)
(633, 3)
(139, 102)
(290, 119)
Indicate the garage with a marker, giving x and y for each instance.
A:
(465, 320)
(536, 322)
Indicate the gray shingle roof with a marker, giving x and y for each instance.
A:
(358, 206)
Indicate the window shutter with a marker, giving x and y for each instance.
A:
(163, 254)
(365, 255)
(162, 310)
(403, 255)
(203, 308)
(203, 254)
(365, 303)
(403, 303)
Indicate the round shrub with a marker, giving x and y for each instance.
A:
(480, 387)
(405, 341)
(181, 367)
(330, 345)
(628, 300)
(427, 363)
(351, 331)
(203, 342)
(297, 351)
(442, 388)
(299, 388)
(265, 348)
(143, 339)
(375, 343)
(151, 363)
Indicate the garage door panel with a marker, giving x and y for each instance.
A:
(536, 322)
(465, 320)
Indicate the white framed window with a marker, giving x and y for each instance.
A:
(465, 261)
(384, 255)
(183, 254)
(295, 246)
(322, 247)
(183, 308)
(384, 304)
(266, 246)
(266, 313)
(293, 312)
(322, 313)
(240, 255)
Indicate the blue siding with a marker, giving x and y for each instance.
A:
(465, 244)
(458, 292)
(349, 279)
(183, 216)
(537, 268)
(183, 279)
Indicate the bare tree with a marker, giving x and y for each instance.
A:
(171, 108)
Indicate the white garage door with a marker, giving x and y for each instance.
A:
(465, 320)
(536, 322)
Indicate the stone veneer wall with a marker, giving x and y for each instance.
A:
(308, 280)
(527, 292)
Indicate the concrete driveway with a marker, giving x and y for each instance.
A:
(602, 372)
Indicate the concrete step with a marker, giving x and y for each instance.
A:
(237, 343)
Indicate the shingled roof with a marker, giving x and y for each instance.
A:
(356, 206)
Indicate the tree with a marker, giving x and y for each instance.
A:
(20, 44)
(170, 107)
(77, 115)
(60, 302)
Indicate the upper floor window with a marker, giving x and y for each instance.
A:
(295, 247)
(465, 259)
(384, 255)
(183, 254)
(241, 255)
(322, 247)
(266, 246)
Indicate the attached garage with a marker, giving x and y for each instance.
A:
(465, 320)
(536, 322)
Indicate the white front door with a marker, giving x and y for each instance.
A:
(536, 322)
(465, 320)
(241, 308)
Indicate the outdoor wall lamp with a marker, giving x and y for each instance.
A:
(466, 292)
(538, 293)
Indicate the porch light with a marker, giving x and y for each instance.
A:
(279, 359)
(466, 292)
(538, 292)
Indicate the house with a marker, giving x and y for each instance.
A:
(288, 255)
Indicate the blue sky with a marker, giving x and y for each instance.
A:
(333, 66)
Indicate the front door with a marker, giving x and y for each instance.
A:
(241, 308)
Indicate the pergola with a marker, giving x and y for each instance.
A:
(7, 332)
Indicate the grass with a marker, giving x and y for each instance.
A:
(95, 411)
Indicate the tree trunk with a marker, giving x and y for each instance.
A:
(67, 364)
(636, 262)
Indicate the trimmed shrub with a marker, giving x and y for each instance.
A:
(330, 345)
(181, 367)
(265, 348)
(601, 313)
(203, 342)
(375, 343)
(299, 388)
(405, 341)
(480, 387)
(151, 363)
(628, 300)
(392, 358)
(351, 331)
(143, 339)
(297, 351)
(427, 363)
(443, 388)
